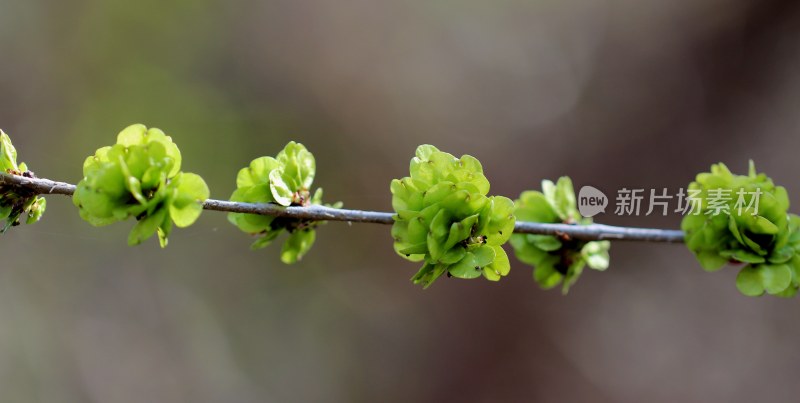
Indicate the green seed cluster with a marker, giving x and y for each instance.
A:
(284, 180)
(446, 220)
(556, 259)
(734, 228)
(16, 201)
(140, 177)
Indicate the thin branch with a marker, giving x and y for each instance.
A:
(596, 232)
(40, 186)
(591, 232)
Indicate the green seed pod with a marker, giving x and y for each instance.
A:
(15, 200)
(556, 259)
(445, 219)
(744, 219)
(140, 177)
(284, 180)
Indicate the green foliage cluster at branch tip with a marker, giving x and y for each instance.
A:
(445, 219)
(556, 259)
(284, 180)
(16, 201)
(766, 239)
(140, 177)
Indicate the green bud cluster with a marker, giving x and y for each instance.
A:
(764, 236)
(140, 177)
(445, 219)
(14, 200)
(556, 259)
(284, 180)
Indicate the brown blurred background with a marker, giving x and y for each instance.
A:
(617, 93)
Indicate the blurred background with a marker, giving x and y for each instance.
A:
(615, 93)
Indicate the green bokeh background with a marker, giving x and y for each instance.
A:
(621, 93)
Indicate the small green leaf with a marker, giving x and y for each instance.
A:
(564, 198)
(761, 225)
(132, 135)
(711, 261)
(597, 261)
(188, 203)
(754, 280)
(453, 255)
(428, 274)
(5, 211)
(146, 227)
(547, 276)
(460, 231)
(547, 243)
(533, 206)
(257, 173)
(163, 231)
(265, 240)
(36, 211)
(500, 265)
(296, 246)
(775, 278)
(280, 190)
(466, 268)
(747, 257)
(425, 151)
(8, 154)
(415, 249)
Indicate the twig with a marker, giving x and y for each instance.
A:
(591, 232)
(40, 186)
